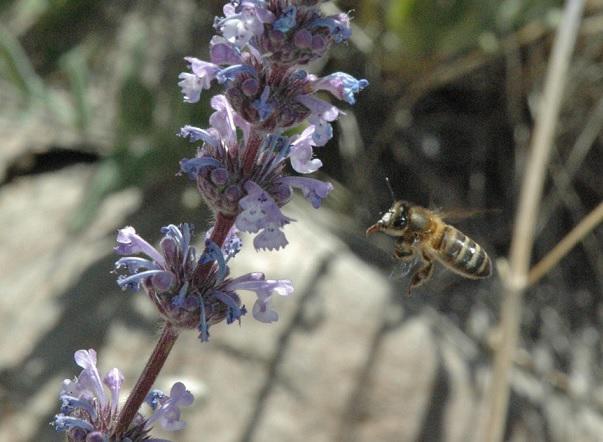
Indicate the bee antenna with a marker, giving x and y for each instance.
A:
(391, 190)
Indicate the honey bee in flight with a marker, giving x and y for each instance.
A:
(422, 233)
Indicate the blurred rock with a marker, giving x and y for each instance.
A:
(350, 358)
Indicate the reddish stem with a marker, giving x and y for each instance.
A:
(251, 153)
(167, 340)
(147, 378)
(218, 235)
(221, 228)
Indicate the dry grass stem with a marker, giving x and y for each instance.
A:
(523, 234)
(577, 155)
(592, 220)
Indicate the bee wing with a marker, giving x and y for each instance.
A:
(458, 214)
(403, 268)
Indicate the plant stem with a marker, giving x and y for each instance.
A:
(221, 228)
(166, 341)
(251, 152)
(147, 378)
(523, 234)
(592, 220)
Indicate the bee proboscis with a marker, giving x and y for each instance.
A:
(423, 233)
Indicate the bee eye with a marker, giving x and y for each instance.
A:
(400, 222)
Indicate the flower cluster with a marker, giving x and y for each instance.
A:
(269, 117)
(256, 58)
(171, 279)
(89, 412)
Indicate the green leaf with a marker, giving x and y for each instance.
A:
(74, 64)
(17, 68)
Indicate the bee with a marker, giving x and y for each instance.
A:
(422, 233)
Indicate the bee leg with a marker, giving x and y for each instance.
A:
(421, 275)
(403, 251)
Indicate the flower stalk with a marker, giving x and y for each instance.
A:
(162, 349)
(251, 152)
(218, 235)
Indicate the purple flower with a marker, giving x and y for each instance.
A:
(341, 85)
(262, 105)
(260, 212)
(240, 170)
(201, 78)
(224, 53)
(264, 289)
(161, 271)
(129, 242)
(236, 72)
(171, 284)
(313, 190)
(286, 20)
(323, 131)
(270, 238)
(338, 26)
(114, 380)
(181, 297)
(221, 190)
(257, 58)
(88, 414)
(242, 23)
(301, 152)
(193, 134)
(321, 113)
(166, 408)
(255, 202)
(320, 108)
(300, 33)
(223, 121)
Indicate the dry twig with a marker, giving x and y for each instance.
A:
(523, 234)
(592, 220)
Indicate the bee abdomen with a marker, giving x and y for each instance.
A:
(463, 255)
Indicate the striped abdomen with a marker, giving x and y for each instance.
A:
(463, 255)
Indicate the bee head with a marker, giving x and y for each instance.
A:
(393, 222)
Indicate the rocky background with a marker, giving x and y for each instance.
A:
(89, 113)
